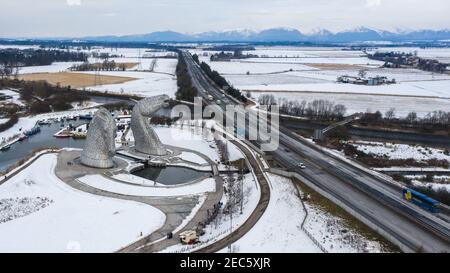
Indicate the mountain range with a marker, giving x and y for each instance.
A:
(361, 34)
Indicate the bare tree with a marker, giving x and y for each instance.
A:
(390, 114)
(411, 117)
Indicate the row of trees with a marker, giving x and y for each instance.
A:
(435, 118)
(104, 66)
(318, 109)
(35, 57)
(220, 81)
(399, 59)
(8, 69)
(186, 91)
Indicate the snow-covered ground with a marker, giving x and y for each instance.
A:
(434, 186)
(439, 89)
(161, 66)
(103, 183)
(53, 68)
(222, 225)
(440, 54)
(432, 88)
(15, 97)
(146, 84)
(46, 215)
(194, 138)
(400, 151)
(304, 52)
(191, 157)
(279, 229)
(335, 235)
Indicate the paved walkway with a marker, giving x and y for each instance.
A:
(175, 208)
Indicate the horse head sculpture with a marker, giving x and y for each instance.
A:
(100, 148)
(146, 140)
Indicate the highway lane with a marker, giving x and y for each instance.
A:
(371, 197)
(369, 206)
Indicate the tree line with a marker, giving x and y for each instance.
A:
(220, 81)
(35, 57)
(439, 119)
(186, 91)
(104, 66)
(317, 109)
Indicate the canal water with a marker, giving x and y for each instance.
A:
(170, 175)
(43, 139)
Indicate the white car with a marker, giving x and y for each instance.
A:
(301, 166)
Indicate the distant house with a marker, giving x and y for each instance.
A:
(372, 81)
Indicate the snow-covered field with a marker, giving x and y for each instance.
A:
(53, 68)
(304, 52)
(357, 103)
(162, 81)
(279, 229)
(147, 84)
(161, 66)
(273, 74)
(421, 88)
(400, 151)
(46, 215)
(440, 54)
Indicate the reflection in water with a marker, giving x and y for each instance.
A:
(170, 175)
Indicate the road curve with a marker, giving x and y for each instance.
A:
(261, 207)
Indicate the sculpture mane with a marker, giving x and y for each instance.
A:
(100, 148)
(146, 140)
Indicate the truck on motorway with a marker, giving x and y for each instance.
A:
(421, 200)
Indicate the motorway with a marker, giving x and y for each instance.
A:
(370, 197)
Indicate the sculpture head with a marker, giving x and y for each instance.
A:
(148, 106)
(146, 140)
(100, 142)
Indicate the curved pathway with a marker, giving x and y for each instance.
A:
(263, 203)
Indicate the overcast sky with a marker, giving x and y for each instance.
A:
(76, 18)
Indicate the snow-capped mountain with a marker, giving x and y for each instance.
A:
(284, 35)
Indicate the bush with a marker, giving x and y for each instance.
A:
(40, 107)
(10, 123)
